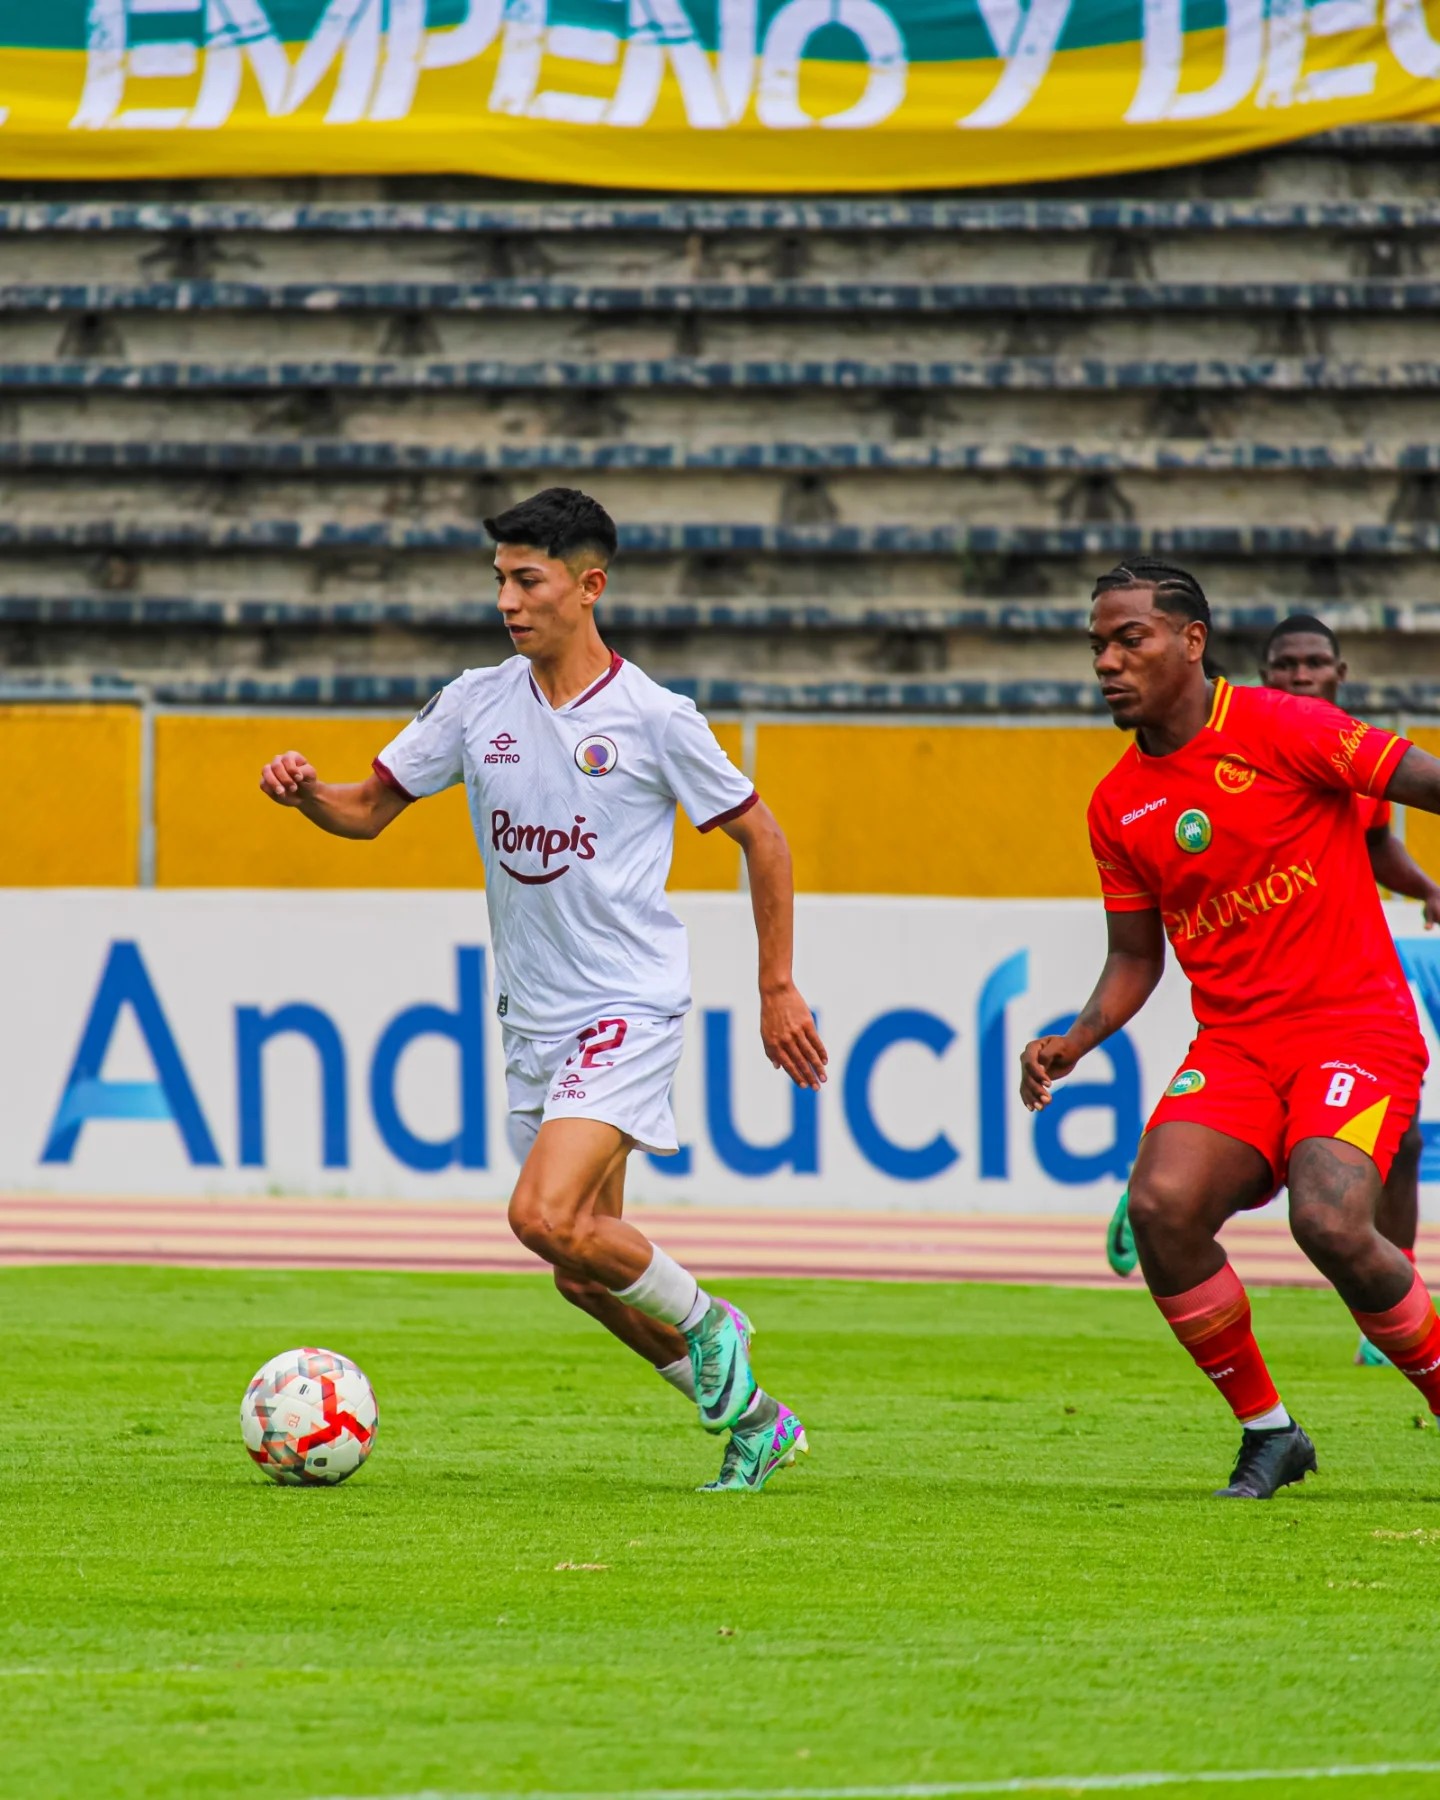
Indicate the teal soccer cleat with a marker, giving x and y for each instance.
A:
(1120, 1251)
(757, 1448)
(720, 1357)
(1368, 1357)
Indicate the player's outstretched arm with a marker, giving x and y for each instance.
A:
(1416, 782)
(787, 1026)
(1395, 868)
(357, 809)
(1134, 964)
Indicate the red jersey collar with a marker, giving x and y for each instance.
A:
(1219, 712)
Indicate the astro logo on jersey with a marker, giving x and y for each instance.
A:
(1233, 775)
(544, 841)
(596, 756)
(1192, 831)
(502, 749)
(1188, 1081)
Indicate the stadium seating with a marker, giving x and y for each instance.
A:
(867, 455)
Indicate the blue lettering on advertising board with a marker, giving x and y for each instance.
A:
(798, 1150)
(1420, 959)
(465, 1027)
(899, 1161)
(125, 986)
(125, 983)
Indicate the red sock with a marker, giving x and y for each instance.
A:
(1212, 1321)
(1409, 1334)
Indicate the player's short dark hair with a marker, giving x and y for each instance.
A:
(1176, 590)
(1297, 624)
(562, 522)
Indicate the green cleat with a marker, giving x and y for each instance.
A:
(757, 1448)
(1368, 1357)
(1120, 1251)
(719, 1356)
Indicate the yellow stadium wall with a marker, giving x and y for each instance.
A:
(71, 814)
(214, 828)
(1422, 830)
(870, 807)
(936, 809)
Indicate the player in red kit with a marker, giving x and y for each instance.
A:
(1229, 826)
(1302, 656)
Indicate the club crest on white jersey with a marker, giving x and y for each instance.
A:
(596, 755)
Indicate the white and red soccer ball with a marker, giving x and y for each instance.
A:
(309, 1418)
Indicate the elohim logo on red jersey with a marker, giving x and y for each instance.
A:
(1233, 775)
(502, 749)
(596, 755)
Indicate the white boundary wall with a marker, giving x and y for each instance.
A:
(132, 1060)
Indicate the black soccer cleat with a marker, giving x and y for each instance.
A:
(1269, 1460)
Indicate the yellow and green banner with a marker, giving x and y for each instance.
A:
(699, 94)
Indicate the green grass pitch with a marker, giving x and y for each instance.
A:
(1000, 1560)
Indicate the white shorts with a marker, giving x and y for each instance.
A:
(618, 1071)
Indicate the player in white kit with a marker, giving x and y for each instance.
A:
(574, 761)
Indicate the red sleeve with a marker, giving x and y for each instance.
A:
(1375, 815)
(1324, 747)
(1121, 888)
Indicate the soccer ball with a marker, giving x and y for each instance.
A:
(309, 1418)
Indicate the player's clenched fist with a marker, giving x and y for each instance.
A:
(1042, 1061)
(288, 779)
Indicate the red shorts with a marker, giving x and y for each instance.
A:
(1273, 1085)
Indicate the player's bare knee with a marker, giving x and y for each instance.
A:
(551, 1226)
(1161, 1206)
(1331, 1235)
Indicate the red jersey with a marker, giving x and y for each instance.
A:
(1373, 813)
(1251, 844)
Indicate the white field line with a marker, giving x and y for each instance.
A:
(953, 1790)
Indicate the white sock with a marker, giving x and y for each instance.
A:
(1275, 1420)
(666, 1292)
(758, 1399)
(680, 1376)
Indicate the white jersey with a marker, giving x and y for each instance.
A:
(574, 813)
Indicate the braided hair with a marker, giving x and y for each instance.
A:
(1176, 590)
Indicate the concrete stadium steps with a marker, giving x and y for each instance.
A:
(750, 298)
(366, 575)
(696, 376)
(837, 513)
(864, 452)
(400, 690)
(575, 457)
(254, 534)
(1073, 240)
(478, 619)
(936, 335)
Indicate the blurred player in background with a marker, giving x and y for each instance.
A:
(574, 762)
(1302, 656)
(1230, 827)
